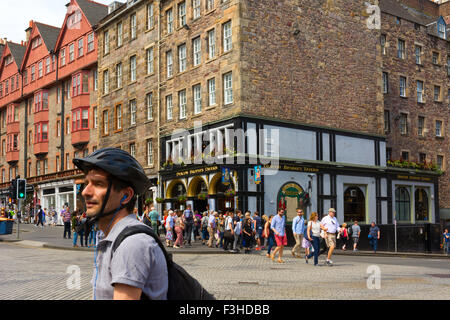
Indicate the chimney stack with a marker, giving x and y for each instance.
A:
(28, 31)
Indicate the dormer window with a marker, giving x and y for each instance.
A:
(8, 59)
(36, 42)
(74, 19)
(441, 30)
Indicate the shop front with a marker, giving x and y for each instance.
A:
(204, 188)
(53, 196)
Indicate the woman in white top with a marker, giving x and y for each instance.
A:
(313, 235)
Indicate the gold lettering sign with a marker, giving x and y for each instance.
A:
(413, 178)
(286, 167)
(196, 171)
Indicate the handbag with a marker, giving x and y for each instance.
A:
(79, 227)
(228, 235)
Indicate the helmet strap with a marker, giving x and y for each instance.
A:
(103, 214)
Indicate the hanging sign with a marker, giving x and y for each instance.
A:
(257, 174)
(226, 176)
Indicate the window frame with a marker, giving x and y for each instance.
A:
(182, 103)
(133, 112)
(133, 68)
(197, 98)
(230, 88)
(227, 36)
(401, 49)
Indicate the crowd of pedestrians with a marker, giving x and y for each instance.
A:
(232, 231)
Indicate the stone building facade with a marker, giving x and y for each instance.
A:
(415, 53)
(128, 76)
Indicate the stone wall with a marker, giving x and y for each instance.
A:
(314, 62)
(432, 75)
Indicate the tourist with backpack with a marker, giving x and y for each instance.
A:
(204, 228)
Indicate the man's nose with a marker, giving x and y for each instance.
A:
(87, 190)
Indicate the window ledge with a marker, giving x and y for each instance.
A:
(149, 29)
(149, 121)
(150, 74)
(210, 11)
(211, 107)
(225, 53)
(211, 60)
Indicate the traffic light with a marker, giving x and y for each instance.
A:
(13, 189)
(21, 188)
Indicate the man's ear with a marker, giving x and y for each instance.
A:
(128, 195)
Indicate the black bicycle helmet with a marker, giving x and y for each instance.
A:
(119, 164)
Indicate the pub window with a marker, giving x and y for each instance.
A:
(402, 204)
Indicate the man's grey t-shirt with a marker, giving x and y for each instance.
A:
(355, 231)
(138, 262)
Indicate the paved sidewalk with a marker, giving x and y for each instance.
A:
(52, 237)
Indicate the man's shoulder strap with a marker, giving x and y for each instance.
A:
(141, 228)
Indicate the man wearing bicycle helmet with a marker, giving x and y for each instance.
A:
(138, 267)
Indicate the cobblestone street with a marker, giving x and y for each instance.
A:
(35, 273)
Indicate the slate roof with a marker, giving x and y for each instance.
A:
(49, 34)
(93, 11)
(17, 52)
(2, 47)
(396, 8)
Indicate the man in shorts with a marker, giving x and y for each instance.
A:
(356, 232)
(279, 228)
(331, 227)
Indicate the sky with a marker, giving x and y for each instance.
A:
(15, 15)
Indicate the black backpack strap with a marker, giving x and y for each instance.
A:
(141, 228)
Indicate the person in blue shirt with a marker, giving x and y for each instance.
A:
(298, 225)
(279, 228)
(446, 242)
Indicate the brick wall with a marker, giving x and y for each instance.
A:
(324, 75)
